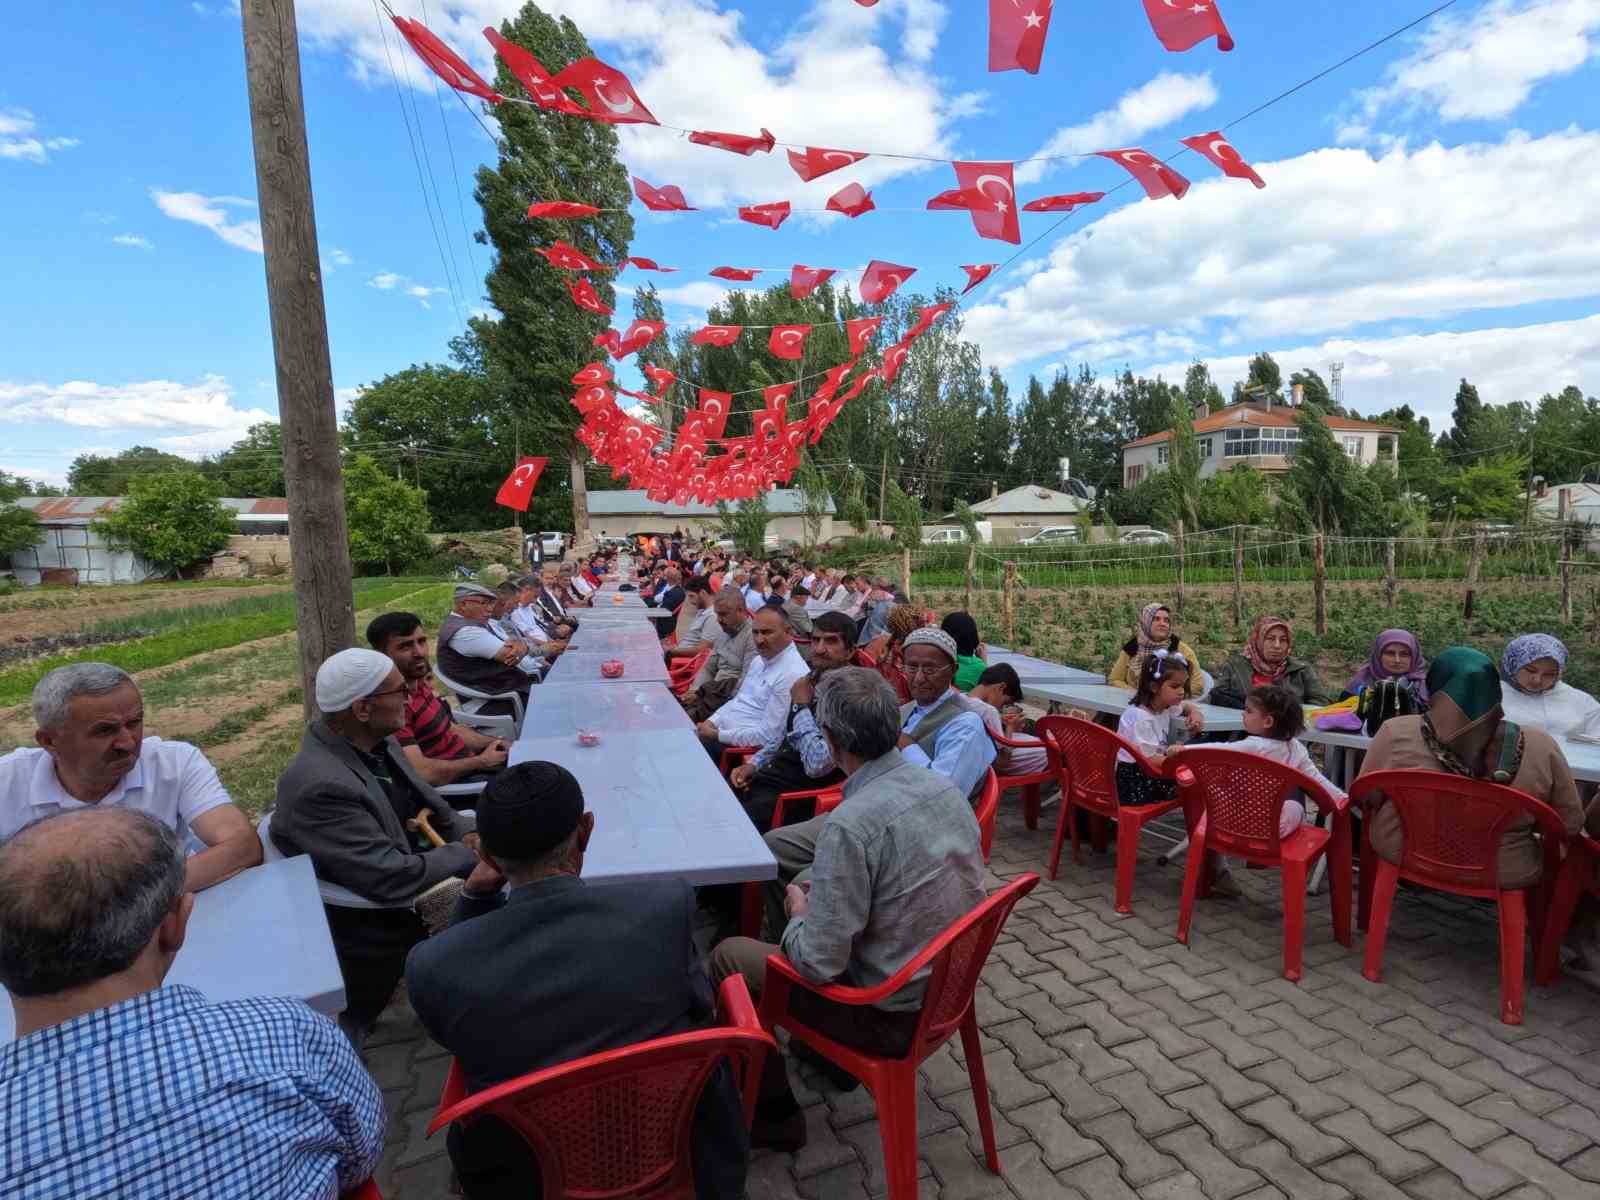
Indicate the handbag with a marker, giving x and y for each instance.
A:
(1383, 699)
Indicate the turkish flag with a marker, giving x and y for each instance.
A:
(1220, 151)
(585, 297)
(610, 339)
(994, 211)
(776, 398)
(831, 381)
(738, 274)
(977, 274)
(594, 372)
(569, 258)
(1154, 176)
(667, 198)
(714, 407)
(1017, 29)
(596, 396)
(738, 143)
(770, 215)
(646, 264)
(881, 280)
(816, 161)
(517, 490)
(716, 335)
(662, 378)
(788, 341)
(805, 280)
(445, 62)
(1181, 24)
(639, 335)
(893, 359)
(531, 74)
(860, 332)
(1062, 203)
(561, 208)
(926, 316)
(953, 200)
(607, 91)
(852, 200)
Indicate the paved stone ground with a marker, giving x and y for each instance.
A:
(1122, 1064)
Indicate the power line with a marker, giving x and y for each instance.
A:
(455, 172)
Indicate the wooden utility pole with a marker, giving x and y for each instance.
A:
(972, 571)
(1008, 600)
(1179, 598)
(324, 603)
(1391, 582)
(1238, 577)
(1319, 582)
(580, 498)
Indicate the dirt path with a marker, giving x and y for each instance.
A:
(279, 718)
(23, 624)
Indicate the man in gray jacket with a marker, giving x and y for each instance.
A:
(352, 801)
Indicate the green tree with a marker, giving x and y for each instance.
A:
(1183, 465)
(19, 528)
(746, 524)
(1198, 389)
(110, 475)
(814, 499)
(1148, 502)
(388, 518)
(1315, 392)
(992, 459)
(173, 520)
(854, 509)
(1263, 378)
(1234, 497)
(904, 513)
(1039, 423)
(541, 338)
(1490, 490)
(1318, 479)
(12, 486)
(252, 466)
(1566, 435)
(1463, 441)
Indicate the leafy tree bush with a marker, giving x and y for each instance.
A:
(173, 520)
(19, 528)
(1235, 497)
(746, 524)
(112, 474)
(388, 518)
(904, 513)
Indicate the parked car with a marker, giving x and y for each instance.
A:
(951, 535)
(552, 545)
(1145, 537)
(1053, 535)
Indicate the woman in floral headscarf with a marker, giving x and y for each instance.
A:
(1531, 689)
(1396, 655)
(1267, 661)
(1154, 632)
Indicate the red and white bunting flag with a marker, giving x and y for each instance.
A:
(716, 335)
(596, 372)
(662, 378)
(770, 215)
(607, 91)
(556, 209)
(569, 258)
(805, 280)
(1221, 152)
(852, 200)
(788, 341)
(667, 198)
(737, 274)
(445, 62)
(640, 334)
(517, 490)
(926, 316)
(1181, 24)
(881, 280)
(585, 297)
(814, 161)
(646, 264)
(977, 274)
(1017, 29)
(1154, 176)
(994, 208)
(775, 399)
(531, 74)
(1063, 203)
(860, 332)
(737, 143)
(893, 359)
(714, 407)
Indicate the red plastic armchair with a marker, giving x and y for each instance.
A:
(1450, 830)
(616, 1125)
(1577, 877)
(1029, 783)
(1235, 800)
(732, 756)
(1086, 756)
(367, 1191)
(682, 672)
(953, 960)
(751, 902)
(863, 659)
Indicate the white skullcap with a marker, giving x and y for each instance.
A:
(348, 676)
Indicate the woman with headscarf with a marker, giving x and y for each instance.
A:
(1266, 661)
(1154, 632)
(1465, 732)
(1397, 656)
(970, 662)
(1532, 692)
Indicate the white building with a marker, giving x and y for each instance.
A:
(1260, 434)
(619, 514)
(1025, 510)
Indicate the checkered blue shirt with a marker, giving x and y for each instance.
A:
(165, 1095)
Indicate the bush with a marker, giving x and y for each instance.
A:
(173, 520)
(388, 518)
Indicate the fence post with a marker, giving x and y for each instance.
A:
(1474, 566)
(1390, 583)
(1566, 588)
(1179, 597)
(1238, 577)
(1319, 563)
(905, 571)
(1008, 599)
(972, 568)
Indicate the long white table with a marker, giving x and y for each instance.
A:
(1104, 698)
(1582, 758)
(661, 808)
(261, 933)
(583, 666)
(1035, 671)
(636, 635)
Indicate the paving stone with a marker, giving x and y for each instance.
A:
(1206, 1106)
(1141, 1162)
(1585, 1165)
(769, 1177)
(1032, 939)
(1359, 1175)
(1163, 1075)
(429, 1074)
(1478, 1175)
(1436, 1047)
(1558, 1079)
(1311, 1101)
(1463, 1126)
(1301, 996)
(991, 1011)
(1240, 1053)
(1099, 930)
(1245, 1022)
(1309, 1144)
(1028, 1047)
(1306, 1031)
(1382, 1076)
(1173, 1187)
(430, 1177)
(1097, 1062)
(1150, 1112)
(1044, 1016)
(1293, 1049)
(1235, 1089)
(1536, 1100)
(1183, 983)
(942, 1074)
(1576, 1117)
(1273, 1160)
(1554, 1141)
(1266, 1192)
(1178, 1010)
(1077, 971)
(1371, 1039)
(1101, 1179)
(1552, 1044)
(1513, 1057)
(1109, 1029)
(390, 1064)
(1077, 1095)
(410, 1130)
(962, 1106)
(1174, 1042)
(1004, 985)
(847, 1182)
(1383, 1112)
(1021, 959)
(1058, 1139)
(1030, 1179)
(824, 1149)
(1220, 1177)
(961, 1173)
(1392, 1159)
(1062, 991)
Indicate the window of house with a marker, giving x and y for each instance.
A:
(1205, 447)
(1161, 453)
(1134, 474)
(1251, 441)
(1352, 447)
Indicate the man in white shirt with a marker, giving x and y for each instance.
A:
(93, 752)
(755, 593)
(759, 709)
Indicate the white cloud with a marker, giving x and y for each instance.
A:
(191, 417)
(339, 257)
(211, 212)
(1422, 370)
(17, 140)
(1338, 239)
(390, 281)
(1484, 66)
(699, 294)
(1150, 106)
(134, 240)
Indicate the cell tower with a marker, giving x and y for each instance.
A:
(1336, 382)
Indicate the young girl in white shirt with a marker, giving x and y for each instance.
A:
(1147, 723)
(1274, 720)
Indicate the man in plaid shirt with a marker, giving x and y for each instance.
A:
(118, 1087)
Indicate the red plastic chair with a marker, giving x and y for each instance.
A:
(682, 672)
(863, 659)
(367, 1191)
(1450, 829)
(616, 1125)
(953, 960)
(1028, 783)
(732, 756)
(1086, 755)
(1235, 800)
(1576, 878)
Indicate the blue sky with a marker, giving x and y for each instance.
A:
(1430, 209)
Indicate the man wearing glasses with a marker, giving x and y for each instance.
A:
(473, 655)
(938, 729)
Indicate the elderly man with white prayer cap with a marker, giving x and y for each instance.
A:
(352, 801)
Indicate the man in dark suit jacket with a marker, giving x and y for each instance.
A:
(345, 800)
(557, 970)
(668, 602)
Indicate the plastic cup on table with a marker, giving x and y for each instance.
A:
(588, 737)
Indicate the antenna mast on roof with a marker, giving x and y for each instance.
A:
(1336, 382)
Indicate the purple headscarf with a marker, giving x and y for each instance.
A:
(1373, 670)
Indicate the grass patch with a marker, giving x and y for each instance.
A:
(17, 598)
(252, 779)
(238, 724)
